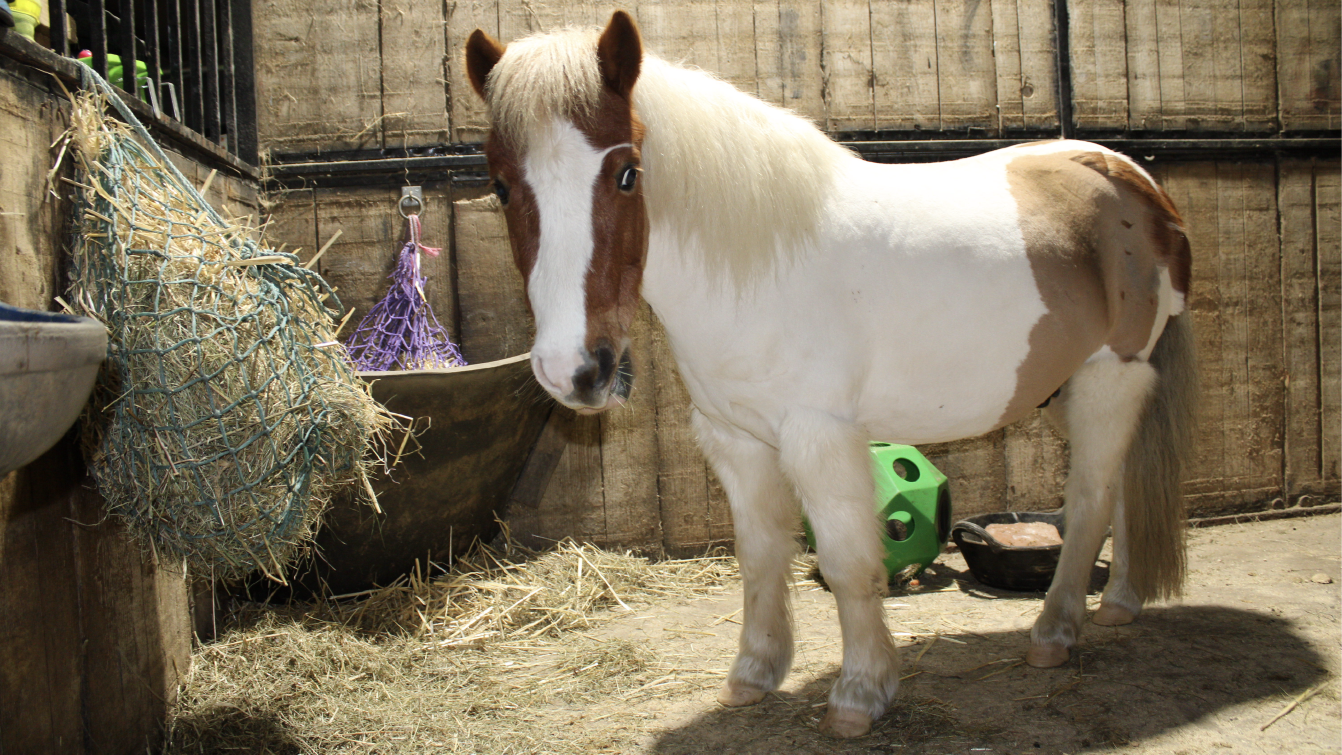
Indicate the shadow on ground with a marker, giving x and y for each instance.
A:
(1178, 666)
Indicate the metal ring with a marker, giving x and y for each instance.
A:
(401, 206)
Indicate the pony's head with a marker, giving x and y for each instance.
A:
(564, 156)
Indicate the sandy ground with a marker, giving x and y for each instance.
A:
(1257, 629)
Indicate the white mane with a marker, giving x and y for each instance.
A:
(737, 178)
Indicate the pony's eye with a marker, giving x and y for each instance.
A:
(501, 191)
(628, 177)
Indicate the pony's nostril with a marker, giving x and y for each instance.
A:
(605, 363)
(596, 373)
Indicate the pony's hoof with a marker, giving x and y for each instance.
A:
(1109, 615)
(735, 695)
(1047, 656)
(845, 724)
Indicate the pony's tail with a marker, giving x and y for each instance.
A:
(1153, 510)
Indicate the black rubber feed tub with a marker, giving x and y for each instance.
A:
(1004, 566)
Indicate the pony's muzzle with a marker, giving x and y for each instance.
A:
(598, 382)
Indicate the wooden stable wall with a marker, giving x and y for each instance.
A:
(94, 632)
(353, 76)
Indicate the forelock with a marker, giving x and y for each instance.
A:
(543, 77)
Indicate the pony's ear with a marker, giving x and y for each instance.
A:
(482, 52)
(620, 52)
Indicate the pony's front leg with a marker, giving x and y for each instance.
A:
(1100, 407)
(827, 460)
(765, 515)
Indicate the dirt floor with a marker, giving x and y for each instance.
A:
(1258, 629)
(1254, 632)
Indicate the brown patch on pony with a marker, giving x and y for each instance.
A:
(520, 214)
(619, 223)
(1167, 236)
(619, 219)
(1092, 236)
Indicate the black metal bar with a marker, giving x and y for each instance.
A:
(209, 45)
(367, 167)
(60, 34)
(1062, 44)
(153, 60)
(126, 40)
(244, 81)
(193, 84)
(228, 104)
(98, 36)
(172, 18)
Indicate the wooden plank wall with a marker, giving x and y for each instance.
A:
(94, 632)
(1264, 234)
(363, 75)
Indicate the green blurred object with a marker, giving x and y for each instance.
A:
(25, 14)
(913, 498)
(116, 74)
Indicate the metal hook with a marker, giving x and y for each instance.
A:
(412, 197)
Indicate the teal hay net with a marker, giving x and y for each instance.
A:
(401, 331)
(227, 415)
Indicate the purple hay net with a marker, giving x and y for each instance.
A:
(401, 332)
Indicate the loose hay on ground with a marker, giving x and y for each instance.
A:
(461, 662)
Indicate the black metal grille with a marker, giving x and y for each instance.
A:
(197, 55)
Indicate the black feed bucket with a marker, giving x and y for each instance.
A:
(1005, 566)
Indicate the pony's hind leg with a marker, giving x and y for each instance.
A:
(765, 515)
(1120, 603)
(1101, 405)
(828, 461)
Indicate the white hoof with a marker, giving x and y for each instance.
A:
(1109, 615)
(1047, 655)
(845, 723)
(738, 695)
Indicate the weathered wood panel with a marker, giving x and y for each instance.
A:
(977, 471)
(1022, 38)
(469, 119)
(1231, 214)
(291, 223)
(495, 321)
(1328, 222)
(413, 39)
(1099, 61)
(800, 52)
(1035, 465)
(967, 84)
(1299, 311)
(1194, 65)
(358, 263)
(848, 67)
(318, 75)
(1309, 63)
(906, 65)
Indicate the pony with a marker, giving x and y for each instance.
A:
(778, 262)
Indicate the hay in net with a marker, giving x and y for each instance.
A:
(226, 414)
